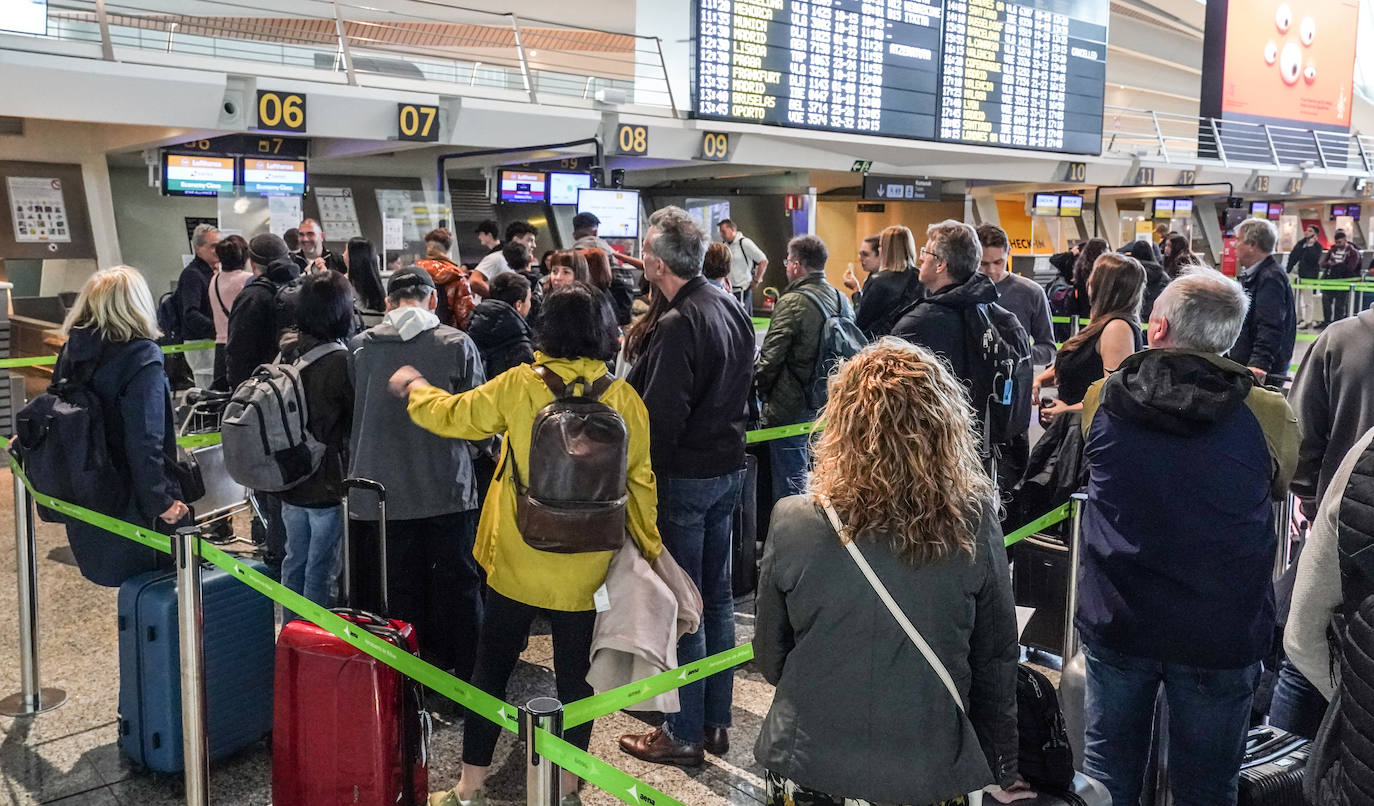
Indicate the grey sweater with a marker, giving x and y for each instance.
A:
(424, 475)
(1334, 400)
(1026, 299)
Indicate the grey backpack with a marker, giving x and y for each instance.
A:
(267, 442)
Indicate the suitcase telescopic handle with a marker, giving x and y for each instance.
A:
(380, 490)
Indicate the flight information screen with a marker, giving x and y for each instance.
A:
(1018, 73)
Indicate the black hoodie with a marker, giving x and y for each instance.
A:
(253, 326)
(936, 322)
(502, 336)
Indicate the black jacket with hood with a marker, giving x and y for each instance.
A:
(253, 322)
(329, 400)
(936, 322)
(502, 336)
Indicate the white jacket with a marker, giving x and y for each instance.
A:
(651, 607)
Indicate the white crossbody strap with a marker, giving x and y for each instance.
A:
(892, 607)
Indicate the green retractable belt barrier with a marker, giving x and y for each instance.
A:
(1050, 518)
(780, 432)
(198, 440)
(608, 702)
(49, 360)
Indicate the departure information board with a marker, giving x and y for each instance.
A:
(1017, 73)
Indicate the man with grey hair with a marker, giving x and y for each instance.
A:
(787, 360)
(1186, 453)
(694, 376)
(193, 302)
(1266, 340)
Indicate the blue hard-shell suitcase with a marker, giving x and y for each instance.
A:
(239, 644)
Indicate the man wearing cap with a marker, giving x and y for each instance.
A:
(253, 326)
(434, 582)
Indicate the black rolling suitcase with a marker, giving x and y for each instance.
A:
(744, 532)
(1272, 771)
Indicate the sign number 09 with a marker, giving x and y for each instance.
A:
(281, 111)
(715, 145)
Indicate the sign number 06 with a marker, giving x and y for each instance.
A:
(283, 111)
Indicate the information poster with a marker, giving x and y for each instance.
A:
(284, 212)
(38, 210)
(338, 213)
(24, 16)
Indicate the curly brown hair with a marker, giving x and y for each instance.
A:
(898, 458)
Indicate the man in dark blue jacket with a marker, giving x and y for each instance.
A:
(1265, 344)
(193, 302)
(1185, 454)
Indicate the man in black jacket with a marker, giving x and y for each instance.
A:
(694, 377)
(1271, 325)
(252, 338)
(313, 257)
(1305, 260)
(949, 272)
(193, 302)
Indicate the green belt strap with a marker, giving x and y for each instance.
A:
(1334, 285)
(1307, 336)
(608, 702)
(761, 322)
(49, 360)
(597, 772)
(780, 432)
(1060, 513)
(198, 440)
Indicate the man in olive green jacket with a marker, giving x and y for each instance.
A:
(788, 356)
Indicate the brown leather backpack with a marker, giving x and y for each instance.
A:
(576, 493)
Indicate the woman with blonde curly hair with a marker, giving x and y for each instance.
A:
(859, 714)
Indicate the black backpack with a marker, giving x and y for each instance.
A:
(575, 495)
(169, 318)
(1045, 757)
(840, 341)
(999, 356)
(60, 441)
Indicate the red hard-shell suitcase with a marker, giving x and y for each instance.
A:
(346, 727)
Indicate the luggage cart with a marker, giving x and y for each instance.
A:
(224, 498)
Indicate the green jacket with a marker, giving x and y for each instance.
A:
(788, 355)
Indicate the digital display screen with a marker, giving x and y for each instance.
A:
(618, 210)
(1183, 207)
(1164, 208)
(1259, 209)
(196, 175)
(522, 186)
(1071, 205)
(1045, 204)
(269, 177)
(1285, 62)
(1275, 211)
(563, 187)
(1338, 210)
(1017, 73)
(1353, 210)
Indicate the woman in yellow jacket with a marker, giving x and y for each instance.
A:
(524, 581)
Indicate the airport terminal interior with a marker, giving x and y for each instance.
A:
(420, 153)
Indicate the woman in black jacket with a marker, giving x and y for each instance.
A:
(311, 510)
(111, 332)
(859, 713)
(893, 288)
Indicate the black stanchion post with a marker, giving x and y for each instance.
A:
(541, 776)
(32, 697)
(190, 631)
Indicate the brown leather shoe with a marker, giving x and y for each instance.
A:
(717, 740)
(658, 747)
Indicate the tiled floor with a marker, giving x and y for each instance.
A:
(68, 756)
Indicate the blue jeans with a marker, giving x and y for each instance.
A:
(694, 517)
(314, 555)
(1209, 714)
(789, 460)
(1297, 707)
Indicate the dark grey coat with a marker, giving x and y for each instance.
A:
(425, 475)
(858, 711)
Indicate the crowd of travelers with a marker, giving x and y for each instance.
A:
(887, 525)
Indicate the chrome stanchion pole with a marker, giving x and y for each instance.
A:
(1071, 643)
(541, 776)
(32, 697)
(190, 630)
(1283, 519)
(1350, 300)
(1073, 325)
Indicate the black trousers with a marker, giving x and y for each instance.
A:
(504, 631)
(1336, 305)
(433, 582)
